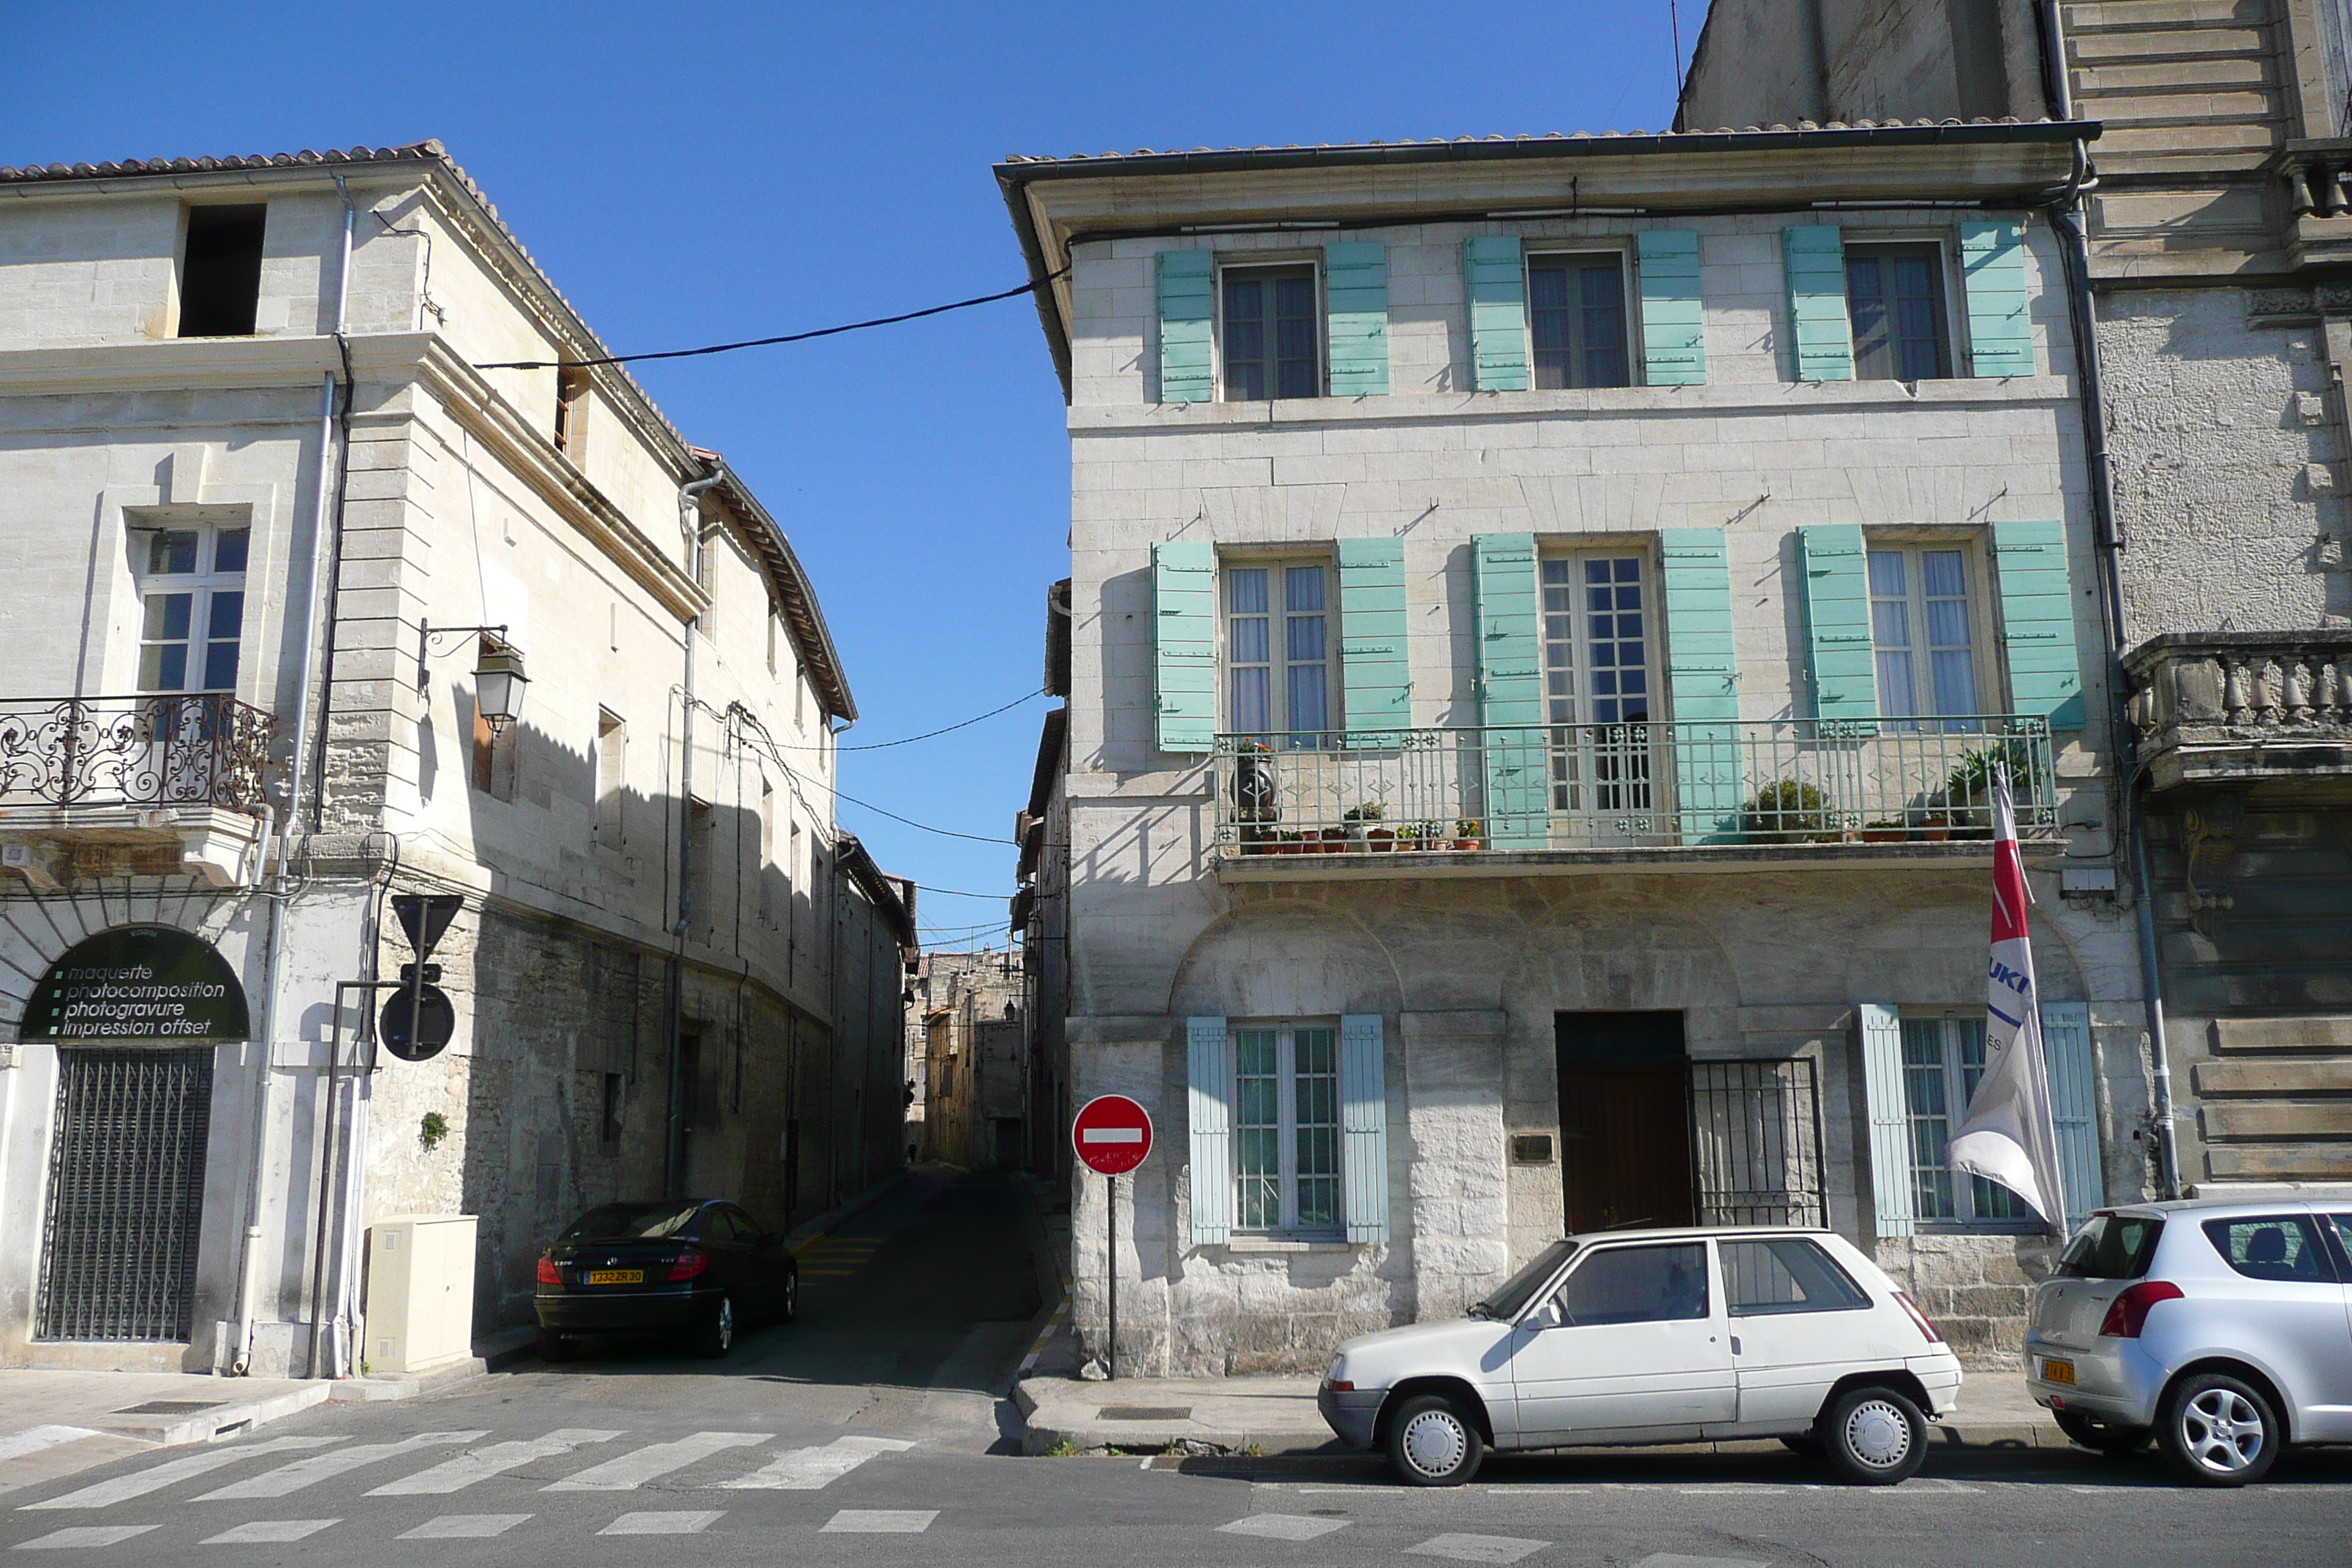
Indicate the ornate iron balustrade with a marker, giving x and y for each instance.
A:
(2214, 705)
(1586, 787)
(202, 749)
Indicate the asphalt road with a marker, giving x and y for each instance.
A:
(864, 1435)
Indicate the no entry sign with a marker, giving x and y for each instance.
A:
(1111, 1134)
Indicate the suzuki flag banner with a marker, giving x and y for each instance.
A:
(2009, 1136)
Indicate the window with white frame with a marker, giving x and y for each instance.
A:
(1922, 630)
(1576, 320)
(1278, 652)
(1286, 1128)
(1271, 342)
(1599, 648)
(1943, 1058)
(192, 605)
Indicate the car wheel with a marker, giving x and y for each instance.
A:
(792, 1303)
(1806, 1448)
(2219, 1431)
(1432, 1442)
(1874, 1436)
(718, 1335)
(553, 1347)
(2100, 1436)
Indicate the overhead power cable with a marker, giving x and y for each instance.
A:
(943, 832)
(928, 734)
(1029, 288)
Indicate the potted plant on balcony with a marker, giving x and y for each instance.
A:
(1884, 832)
(1292, 842)
(1469, 833)
(1968, 789)
(1787, 811)
(1357, 817)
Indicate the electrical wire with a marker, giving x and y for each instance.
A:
(1029, 288)
(943, 832)
(910, 740)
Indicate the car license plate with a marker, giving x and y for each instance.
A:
(2057, 1372)
(637, 1277)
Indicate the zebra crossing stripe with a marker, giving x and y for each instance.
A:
(811, 1469)
(481, 1464)
(36, 1439)
(122, 1489)
(288, 1479)
(1478, 1548)
(684, 1523)
(84, 1535)
(881, 1522)
(1284, 1526)
(268, 1531)
(464, 1527)
(632, 1470)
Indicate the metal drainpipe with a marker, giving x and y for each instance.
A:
(264, 1097)
(689, 522)
(2065, 221)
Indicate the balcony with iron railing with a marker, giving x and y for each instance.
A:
(1718, 791)
(2210, 708)
(94, 786)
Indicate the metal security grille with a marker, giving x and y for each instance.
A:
(1756, 1143)
(126, 1194)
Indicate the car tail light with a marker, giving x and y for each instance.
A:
(689, 1265)
(1919, 1318)
(2128, 1314)
(548, 1272)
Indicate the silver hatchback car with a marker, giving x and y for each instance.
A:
(2223, 1331)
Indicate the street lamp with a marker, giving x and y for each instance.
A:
(498, 678)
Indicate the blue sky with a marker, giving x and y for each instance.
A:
(693, 173)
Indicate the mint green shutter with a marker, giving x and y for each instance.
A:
(1992, 272)
(1184, 643)
(1356, 296)
(2073, 1105)
(1894, 1191)
(1378, 682)
(1497, 286)
(2037, 613)
(1363, 1128)
(1703, 679)
(1821, 335)
(1674, 328)
(1838, 657)
(1510, 689)
(1209, 1059)
(1187, 292)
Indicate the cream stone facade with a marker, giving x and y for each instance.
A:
(671, 972)
(1555, 966)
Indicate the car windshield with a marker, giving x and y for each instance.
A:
(1507, 1301)
(623, 1222)
(2111, 1246)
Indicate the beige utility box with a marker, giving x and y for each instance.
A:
(420, 1292)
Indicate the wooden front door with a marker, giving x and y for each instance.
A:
(1624, 1121)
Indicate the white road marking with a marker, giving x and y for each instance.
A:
(455, 1475)
(881, 1522)
(1669, 1559)
(268, 1530)
(632, 1470)
(811, 1469)
(1284, 1526)
(84, 1535)
(681, 1523)
(293, 1478)
(33, 1440)
(464, 1527)
(1732, 1488)
(1477, 1548)
(1520, 1490)
(122, 1489)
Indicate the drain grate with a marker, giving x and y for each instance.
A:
(1144, 1412)
(172, 1407)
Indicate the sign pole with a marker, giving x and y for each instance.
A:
(1111, 1135)
(1113, 1261)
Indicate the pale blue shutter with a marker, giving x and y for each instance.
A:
(2073, 1105)
(1378, 683)
(1703, 680)
(1838, 657)
(2037, 613)
(1187, 293)
(1821, 335)
(1674, 328)
(1496, 287)
(1184, 643)
(1894, 1190)
(1510, 690)
(1992, 271)
(1363, 1128)
(1209, 1107)
(1356, 296)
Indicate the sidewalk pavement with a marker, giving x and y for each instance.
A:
(53, 1424)
(1277, 1415)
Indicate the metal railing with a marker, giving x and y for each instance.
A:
(1593, 786)
(199, 748)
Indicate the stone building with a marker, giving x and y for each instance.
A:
(1542, 611)
(974, 1063)
(330, 588)
(2217, 233)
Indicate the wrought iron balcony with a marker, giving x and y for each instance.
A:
(2224, 707)
(1630, 786)
(199, 750)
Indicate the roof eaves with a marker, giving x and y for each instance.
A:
(804, 615)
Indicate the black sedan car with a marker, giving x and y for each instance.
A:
(703, 1269)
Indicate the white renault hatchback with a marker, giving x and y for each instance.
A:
(1658, 1336)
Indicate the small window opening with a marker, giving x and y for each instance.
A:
(220, 271)
(570, 411)
(615, 1106)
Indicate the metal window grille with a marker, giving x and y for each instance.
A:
(126, 1194)
(1756, 1143)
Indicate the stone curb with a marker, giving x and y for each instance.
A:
(205, 1426)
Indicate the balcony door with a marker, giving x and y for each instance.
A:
(191, 583)
(1599, 646)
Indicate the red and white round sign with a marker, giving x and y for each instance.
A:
(1111, 1134)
